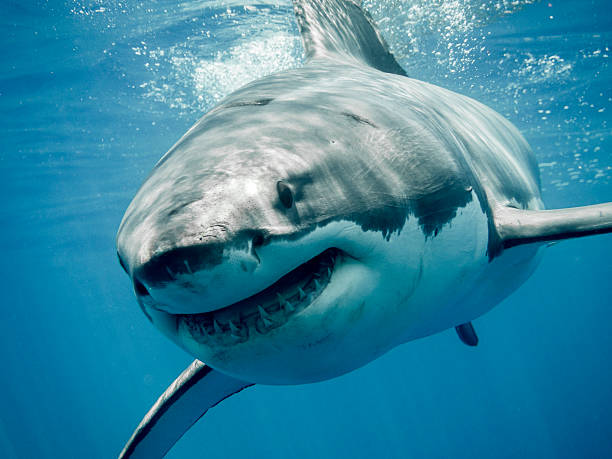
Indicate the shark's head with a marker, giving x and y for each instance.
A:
(262, 243)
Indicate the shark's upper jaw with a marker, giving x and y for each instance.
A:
(251, 317)
(269, 309)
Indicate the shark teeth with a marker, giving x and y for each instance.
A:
(265, 317)
(288, 307)
(203, 330)
(266, 310)
(262, 312)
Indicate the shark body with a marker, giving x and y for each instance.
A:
(319, 217)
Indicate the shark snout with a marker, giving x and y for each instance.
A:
(183, 261)
(199, 277)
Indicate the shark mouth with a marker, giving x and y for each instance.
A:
(266, 310)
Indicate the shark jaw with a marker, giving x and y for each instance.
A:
(267, 310)
(290, 332)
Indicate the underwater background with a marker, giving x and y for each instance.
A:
(92, 93)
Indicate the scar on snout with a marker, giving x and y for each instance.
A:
(359, 119)
(245, 103)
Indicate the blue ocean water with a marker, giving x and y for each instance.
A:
(92, 93)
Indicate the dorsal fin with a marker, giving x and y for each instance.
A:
(518, 227)
(340, 29)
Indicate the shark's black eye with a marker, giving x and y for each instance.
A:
(285, 194)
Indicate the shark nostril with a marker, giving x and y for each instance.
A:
(140, 289)
(258, 240)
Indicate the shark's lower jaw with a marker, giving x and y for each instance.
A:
(266, 310)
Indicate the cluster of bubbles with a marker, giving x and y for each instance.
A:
(187, 56)
(443, 34)
(197, 83)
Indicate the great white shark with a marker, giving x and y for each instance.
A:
(318, 217)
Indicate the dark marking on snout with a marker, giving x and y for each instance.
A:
(359, 119)
(178, 208)
(258, 102)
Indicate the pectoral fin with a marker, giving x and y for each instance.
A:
(467, 334)
(188, 398)
(517, 227)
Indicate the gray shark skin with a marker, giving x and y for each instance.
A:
(319, 217)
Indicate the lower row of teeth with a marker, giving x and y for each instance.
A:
(267, 317)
